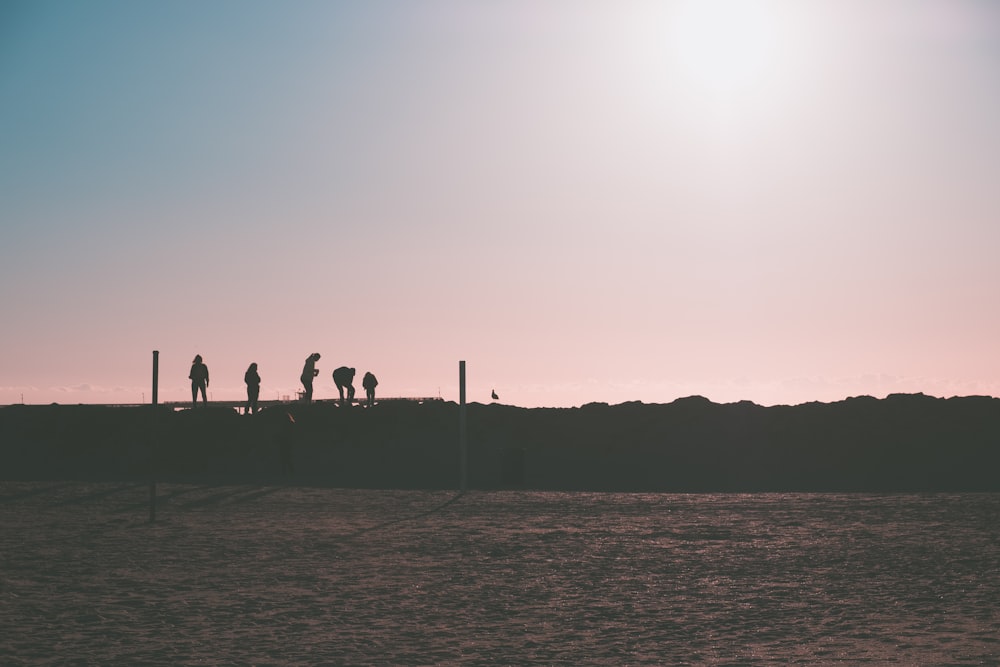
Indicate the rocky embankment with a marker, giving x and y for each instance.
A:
(901, 443)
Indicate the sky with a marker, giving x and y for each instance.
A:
(775, 201)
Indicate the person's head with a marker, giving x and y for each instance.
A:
(253, 366)
(314, 356)
(197, 358)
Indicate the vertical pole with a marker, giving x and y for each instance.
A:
(463, 442)
(155, 437)
(156, 375)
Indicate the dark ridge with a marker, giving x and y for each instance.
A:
(905, 442)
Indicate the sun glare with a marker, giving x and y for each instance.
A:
(726, 50)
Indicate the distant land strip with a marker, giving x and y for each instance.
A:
(902, 443)
(238, 405)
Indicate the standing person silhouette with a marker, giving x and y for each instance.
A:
(252, 378)
(309, 371)
(199, 380)
(343, 377)
(369, 382)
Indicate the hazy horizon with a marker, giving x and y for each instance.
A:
(772, 201)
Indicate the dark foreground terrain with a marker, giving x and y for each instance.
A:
(901, 443)
(280, 575)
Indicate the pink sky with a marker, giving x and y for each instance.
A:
(610, 201)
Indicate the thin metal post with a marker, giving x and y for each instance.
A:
(154, 437)
(463, 441)
(156, 375)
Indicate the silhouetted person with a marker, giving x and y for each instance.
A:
(309, 371)
(369, 382)
(343, 377)
(286, 438)
(252, 378)
(199, 380)
(494, 395)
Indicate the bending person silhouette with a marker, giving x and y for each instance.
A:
(309, 371)
(252, 378)
(369, 382)
(199, 380)
(343, 377)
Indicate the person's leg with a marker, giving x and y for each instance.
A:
(194, 394)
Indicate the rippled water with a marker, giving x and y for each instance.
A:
(272, 575)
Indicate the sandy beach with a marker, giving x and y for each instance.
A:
(293, 575)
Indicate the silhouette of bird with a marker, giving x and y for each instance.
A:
(494, 393)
